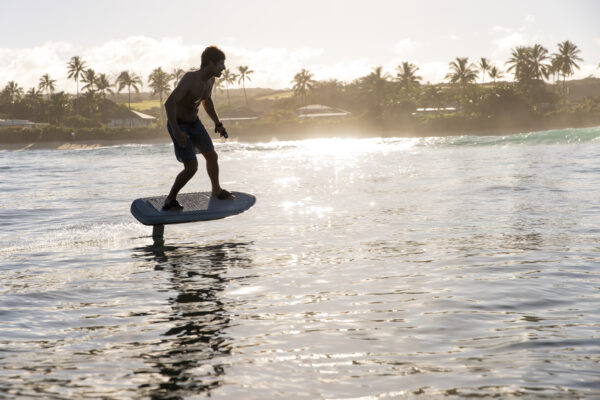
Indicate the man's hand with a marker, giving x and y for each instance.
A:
(180, 137)
(219, 128)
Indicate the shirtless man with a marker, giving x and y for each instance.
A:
(186, 130)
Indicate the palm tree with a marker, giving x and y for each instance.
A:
(528, 63)
(90, 79)
(303, 82)
(228, 78)
(47, 84)
(103, 85)
(33, 94)
(555, 68)
(375, 85)
(33, 100)
(159, 82)
(219, 84)
(376, 80)
(495, 73)
(76, 67)
(537, 55)
(520, 64)
(244, 74)
(176, 76)
(484, 67)
(129, 80)
(406, 75)
(461, 72)
(567, 54)
(13, 92)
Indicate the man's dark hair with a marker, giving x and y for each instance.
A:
(211, 53)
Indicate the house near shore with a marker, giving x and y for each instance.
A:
(238, 116)
(435, 110)
(19, 123)
(238, 120)
(129, 118)
(320, 111)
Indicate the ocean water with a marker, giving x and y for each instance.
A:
(368, 269)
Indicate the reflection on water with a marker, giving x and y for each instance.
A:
(198, 317)
(376, 268)
(147, 324)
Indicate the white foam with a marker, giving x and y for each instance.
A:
(77, 236)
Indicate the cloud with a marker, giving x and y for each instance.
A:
(137, 53)
(524, 35)
(26, 66)
(587, 70)
(501, 29)
(433, 72)
(508, 42)
(142, 54)
(405, 47)
(273, 67)
(345, 71)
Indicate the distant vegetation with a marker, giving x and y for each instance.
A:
(475, 95)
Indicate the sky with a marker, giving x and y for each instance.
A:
(333, 39)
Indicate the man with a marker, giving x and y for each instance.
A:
(186, 130)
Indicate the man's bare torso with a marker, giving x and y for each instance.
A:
(187, 107)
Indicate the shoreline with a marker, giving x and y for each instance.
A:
(74, 145)
(237, 135)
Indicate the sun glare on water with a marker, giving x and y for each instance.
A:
(347, 147)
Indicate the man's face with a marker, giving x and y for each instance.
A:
(218, 68)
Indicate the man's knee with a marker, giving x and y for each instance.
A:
(211, 156)
(191, 167)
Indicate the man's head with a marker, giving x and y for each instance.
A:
(213, 57)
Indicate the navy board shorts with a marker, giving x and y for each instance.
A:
(198, 140)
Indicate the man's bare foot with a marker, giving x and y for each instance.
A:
(223, 194)
(172, 205)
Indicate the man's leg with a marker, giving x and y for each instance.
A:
(189, 169)
(212, 168)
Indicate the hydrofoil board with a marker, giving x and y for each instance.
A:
(200, 206)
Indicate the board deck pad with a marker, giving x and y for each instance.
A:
(200, 206)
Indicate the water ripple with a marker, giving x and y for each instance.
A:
(370, 269)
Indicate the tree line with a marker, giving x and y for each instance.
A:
(376, 95)
(95, 86)
(382, 95)
(529, 65)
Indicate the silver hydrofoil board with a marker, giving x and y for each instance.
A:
(200, 206)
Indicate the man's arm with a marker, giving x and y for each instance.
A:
(171, 108)
(209, 107)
